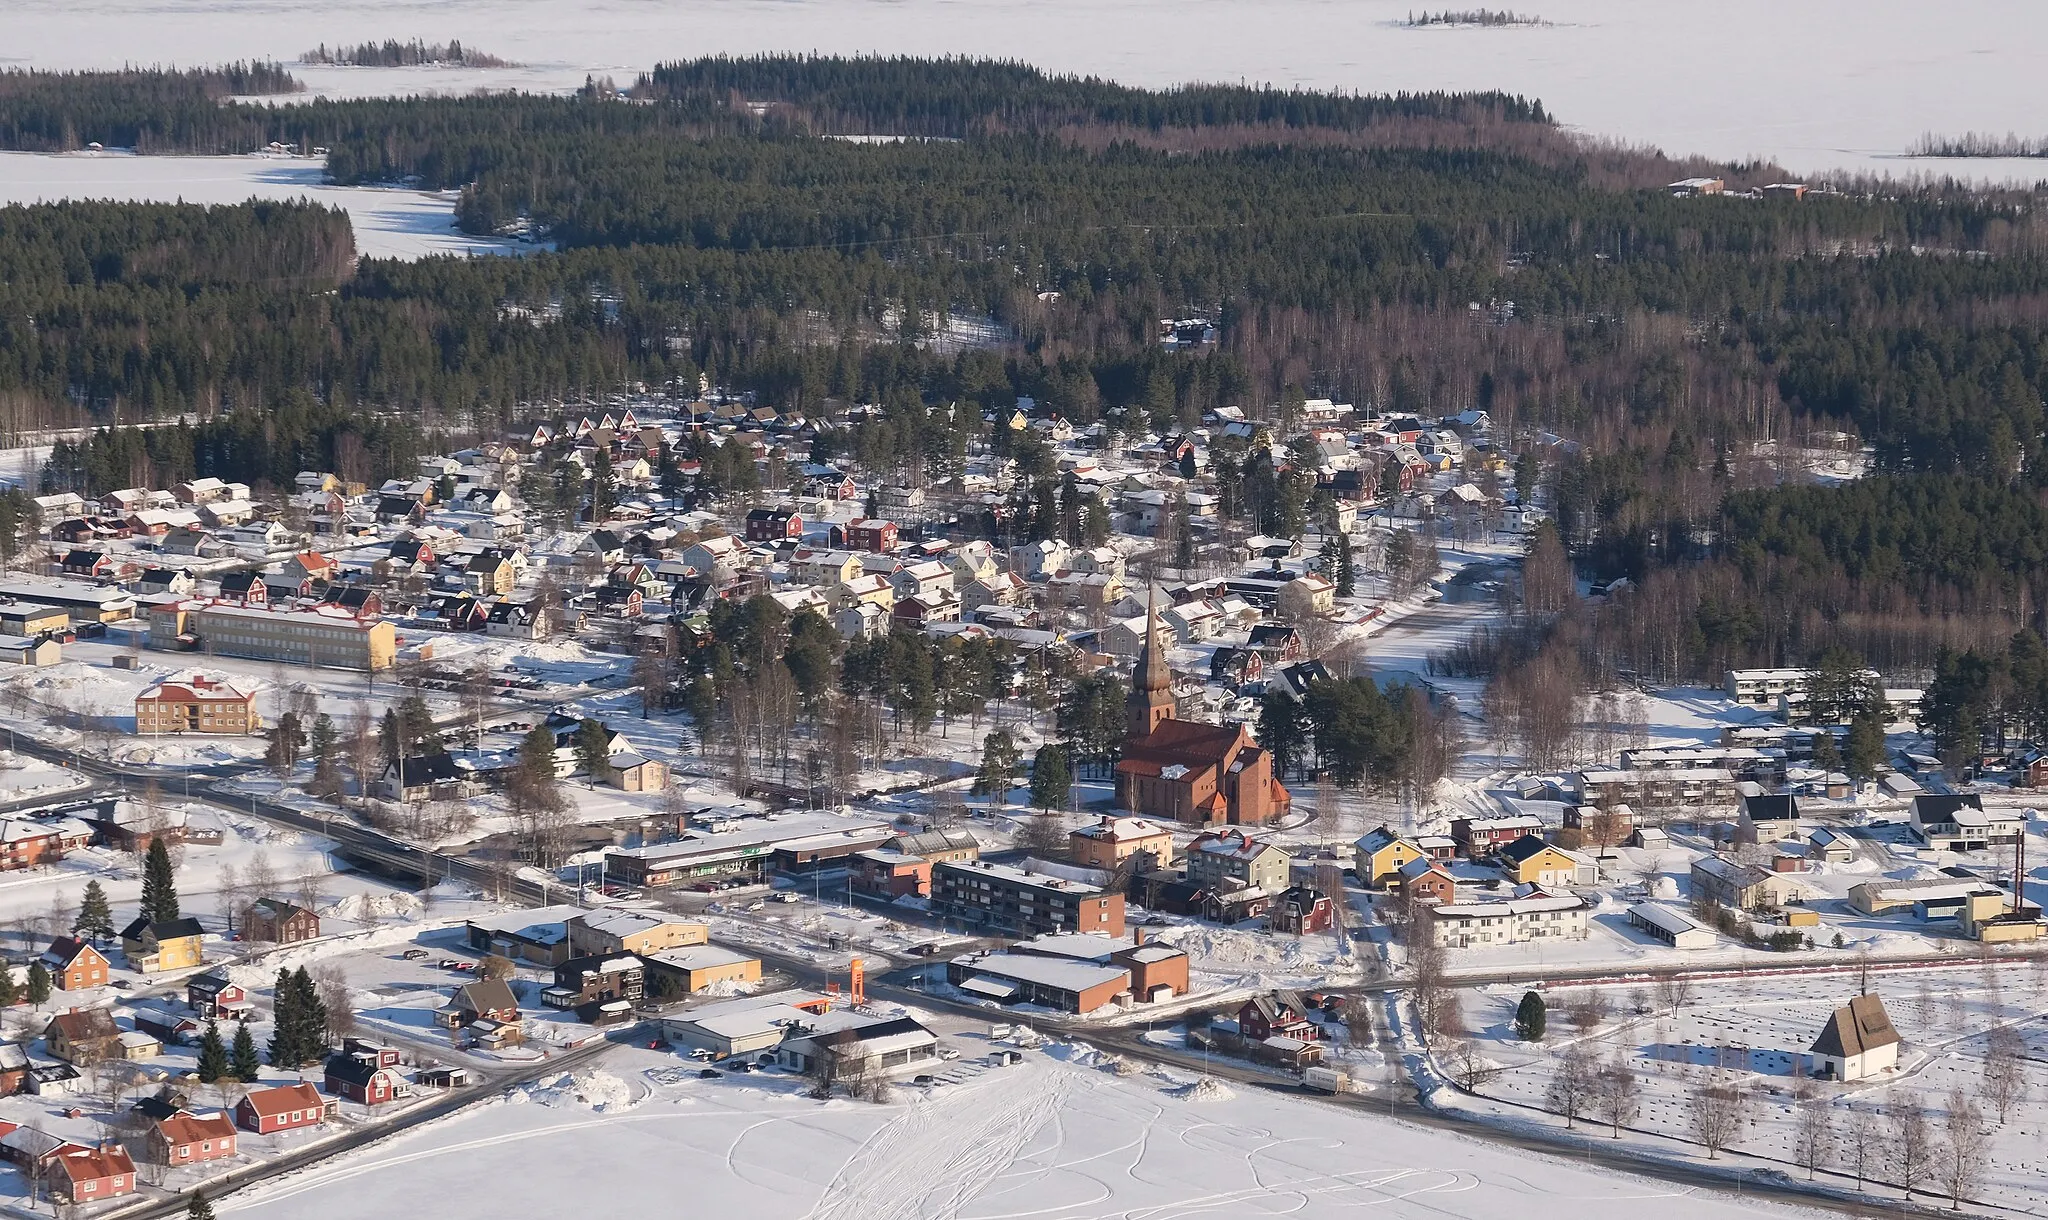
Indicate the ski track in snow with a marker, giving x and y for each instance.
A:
(957, 1144)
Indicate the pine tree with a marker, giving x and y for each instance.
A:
(1346, 578)
(95, 919)
(8, 992)
(1050, 777)
(1530, 1017)
(284, 1039)
(38, 983)
(198, 1208)
(159, 886)
(243, 1063)
(213, 1055)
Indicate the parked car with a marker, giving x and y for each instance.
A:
(413, 955)
(703, 1054)
(708, 1074)
(788, 896)
(449, 963)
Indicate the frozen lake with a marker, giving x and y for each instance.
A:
(388, 223)
(1814, 84)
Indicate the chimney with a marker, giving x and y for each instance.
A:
(1138, 936)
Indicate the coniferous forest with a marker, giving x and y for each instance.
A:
(1417, 253)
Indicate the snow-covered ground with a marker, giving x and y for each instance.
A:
(1048, 1139)
(1842, 84)
(1756, 1030)
(389, 223)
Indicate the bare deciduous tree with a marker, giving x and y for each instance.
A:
(2005, 1076)
(1961, 1158)
(1470, 1067)
(1813, 1134)
(1720, 1108)
(1910, 1141)
(1619, 1094)
(1859, 1142)
(1574, 1085)
(1674, 991)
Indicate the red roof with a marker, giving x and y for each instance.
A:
(93, 1164)
(184, 1128)
(269, 1103)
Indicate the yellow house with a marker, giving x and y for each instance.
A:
(1382, 854)
(1530, 861)
(825, 569)
(702, 966)
(868, 590)
(173, 944)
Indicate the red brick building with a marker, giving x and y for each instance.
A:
(1199, 774)
(886, 873)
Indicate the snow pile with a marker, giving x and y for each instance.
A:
(1207, 1089)
(1665, 888)
(365, 908)
(598, 1089)
(725, 989)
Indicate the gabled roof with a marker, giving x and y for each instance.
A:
(85, 1025)
(431, 769)
(284, 1099)
(65, 950)
(1525, 848)
(170, 929)
(1860, 1025)
(187, 1128)
(355, 1069)
(486, 995)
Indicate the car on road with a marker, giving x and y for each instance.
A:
(787, 896)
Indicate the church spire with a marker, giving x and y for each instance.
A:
(1151, 698)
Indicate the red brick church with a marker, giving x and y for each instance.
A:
(1198, 774)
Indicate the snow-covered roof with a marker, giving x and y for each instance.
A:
(1063, 973)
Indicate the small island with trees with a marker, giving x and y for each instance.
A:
(1474, 16)
(392, 53)
(1978, 144)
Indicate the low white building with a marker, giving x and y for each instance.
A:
(1678, 930)
(1464, 925)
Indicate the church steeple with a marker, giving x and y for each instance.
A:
(1151, 698)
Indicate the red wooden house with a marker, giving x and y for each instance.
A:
(871, 534)
(1276, 1014)
(75, 965)
(185, 1138)
(213, 996)
(1301, 911)
(285, 1108)
(87, 1175)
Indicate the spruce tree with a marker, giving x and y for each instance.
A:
(243, 1063)
(38, 983)
(198, 1208)
(213, 1055)
(1530, 1017)
(312, 1016)
(159, 886)
(284, 1039)
(95, 919)
(8, 992)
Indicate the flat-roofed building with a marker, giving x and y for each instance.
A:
(325, 637)
(1004, 898)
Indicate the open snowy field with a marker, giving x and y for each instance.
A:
(1818, 85)
(389, 223)
(1046, 1139)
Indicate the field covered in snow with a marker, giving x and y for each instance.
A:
(1817, 85)
(1047, 1139)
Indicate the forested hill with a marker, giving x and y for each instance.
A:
(1426, 254)
(956, 98)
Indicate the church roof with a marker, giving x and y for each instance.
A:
(1184, 743)
(1858, 1026)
